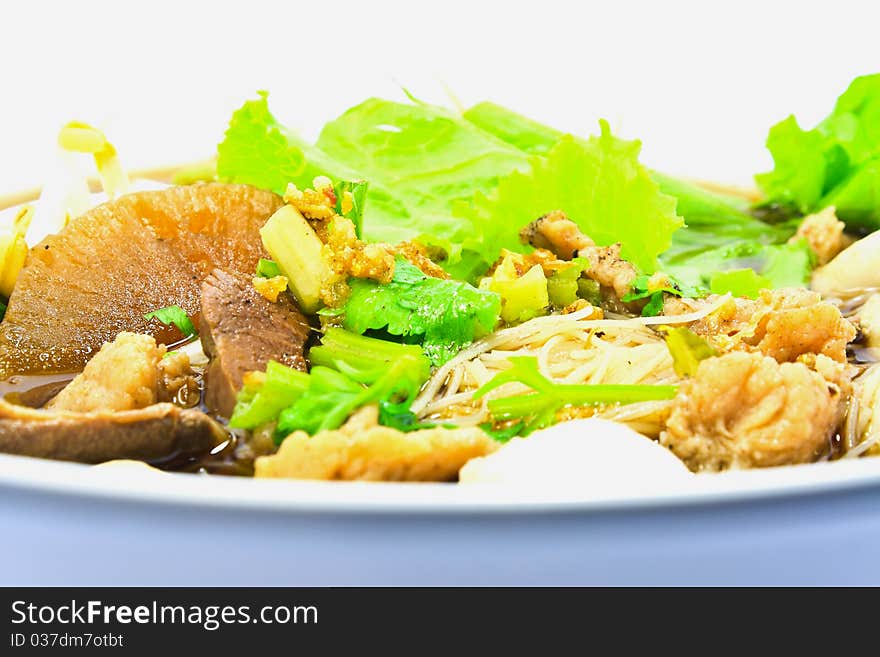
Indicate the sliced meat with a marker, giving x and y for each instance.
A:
(154, 434)
(98, 276)
(242, 331)
(559, 234)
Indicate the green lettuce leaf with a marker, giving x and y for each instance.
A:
(431, 158)
(837, 163)
(783, 265)
(444, 315)
(739, 283)
(257, 150)
(718, 228)
(721, 236)
(517, 130)
(798, 178)
(599, 184)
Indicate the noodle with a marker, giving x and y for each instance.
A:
(570, 350)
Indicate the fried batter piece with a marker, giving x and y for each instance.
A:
(127, 374)
(523, 262)
(745, 410)
(824, 233)
(318, 204)
(785, 324)
(348, 256)
(419, 255)
(345, 254)
(363, 450)
(560, 235)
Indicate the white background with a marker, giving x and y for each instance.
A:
(699, 83)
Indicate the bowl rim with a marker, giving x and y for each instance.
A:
(134, 484)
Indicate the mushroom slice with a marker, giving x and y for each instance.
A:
(154, 434)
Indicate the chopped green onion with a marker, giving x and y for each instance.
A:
(562, 286)
(268, 268)
(687, 350)
(174, 316)
(539, 408)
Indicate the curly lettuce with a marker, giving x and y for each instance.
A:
(600, 185)
(837, 163)
(720, 233)
(441, 165)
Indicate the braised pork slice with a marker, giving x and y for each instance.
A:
(241, 332)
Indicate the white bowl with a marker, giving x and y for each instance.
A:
(68, 524)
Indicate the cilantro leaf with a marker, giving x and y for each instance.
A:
(641, 288)
(444, 315)
(173, 316)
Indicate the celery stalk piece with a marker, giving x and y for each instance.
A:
(522, 297)
(364, 358)
(549, 397)
(295, 247)
(264, 397)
